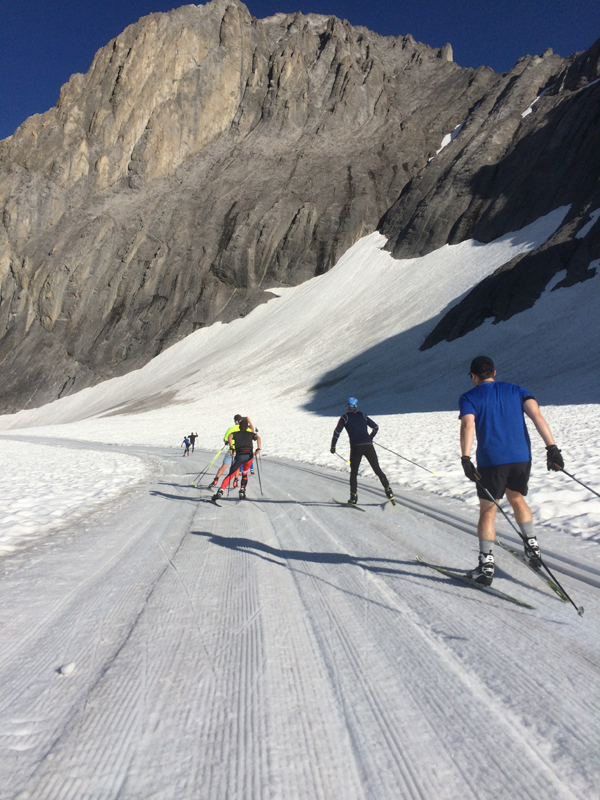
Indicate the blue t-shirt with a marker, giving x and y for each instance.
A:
(502, 436)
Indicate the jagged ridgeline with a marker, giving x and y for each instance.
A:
(207, 155)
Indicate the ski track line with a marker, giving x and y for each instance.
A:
(207, 690)
(414, 785)
(82, 601)
(559, 562)
(242, 654)
(314, 760)
(45, 651)
(312, 774)
(247, 512)
(556, 685)
(500, 710)
(53, 609)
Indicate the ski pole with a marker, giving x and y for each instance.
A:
(581, 483)
(258, 473)
(208, 466)
(404, 457)
(201, 474)
(579, 609)
(342, 457)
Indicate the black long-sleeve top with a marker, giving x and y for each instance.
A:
(357, 425)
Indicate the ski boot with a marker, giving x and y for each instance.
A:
(214, 483)
(235, 483)
(484, 572)
(242, 493)
(353, 499)
(532, 553)
(218, 495)
(388, 493)
(251, 470)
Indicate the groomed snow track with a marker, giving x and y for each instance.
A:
(286, 647)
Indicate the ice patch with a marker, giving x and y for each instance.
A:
(449, 137)
(529, 110)
(588, 225)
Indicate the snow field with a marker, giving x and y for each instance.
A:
(285, 647)
(357, 331)
(44, 488)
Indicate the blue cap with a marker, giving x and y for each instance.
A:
(352, 402)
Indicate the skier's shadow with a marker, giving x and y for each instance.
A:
(156, 493)
(175, 486)
(390, 566)
(268, 553)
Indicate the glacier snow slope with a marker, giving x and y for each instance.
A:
(287, 647)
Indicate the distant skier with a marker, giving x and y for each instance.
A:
(192, 437)
(186, 444)
(242, 442)
(494, 412)
(361, 444)
(228, 457)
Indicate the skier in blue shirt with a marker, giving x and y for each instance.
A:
(494, 412)
(357, 426)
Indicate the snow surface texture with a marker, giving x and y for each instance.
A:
(357, 330)
(287, 648)
(44, 488)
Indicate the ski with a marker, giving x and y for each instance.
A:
(351, 505)
(460, 576)
(214, 502)
(548, 581)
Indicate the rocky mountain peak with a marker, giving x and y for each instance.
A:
(207, 155)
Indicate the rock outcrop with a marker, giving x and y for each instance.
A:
(207, 156)
(204, 157)
(514, 161)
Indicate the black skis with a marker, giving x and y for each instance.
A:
(460, 576)
(351, 505)
(548, 581)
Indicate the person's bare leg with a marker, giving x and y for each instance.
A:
(519, 506)
(524, 519)
(487, 515)
(486, 534)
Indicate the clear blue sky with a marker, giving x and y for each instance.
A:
(42, 42)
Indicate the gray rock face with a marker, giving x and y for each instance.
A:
(204, 157)
(207, 156)
(505, 170)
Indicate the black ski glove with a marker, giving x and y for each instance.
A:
(332, 449)
(470, 469)
(554, 460)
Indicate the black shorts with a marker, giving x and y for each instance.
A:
(505, 476)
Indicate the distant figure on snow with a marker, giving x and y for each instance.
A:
(241, 441)
(361, 444)
(186, 444)
(192, 437)
(494, 412)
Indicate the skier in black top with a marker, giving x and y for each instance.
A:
(361, 444)
(242, 442)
